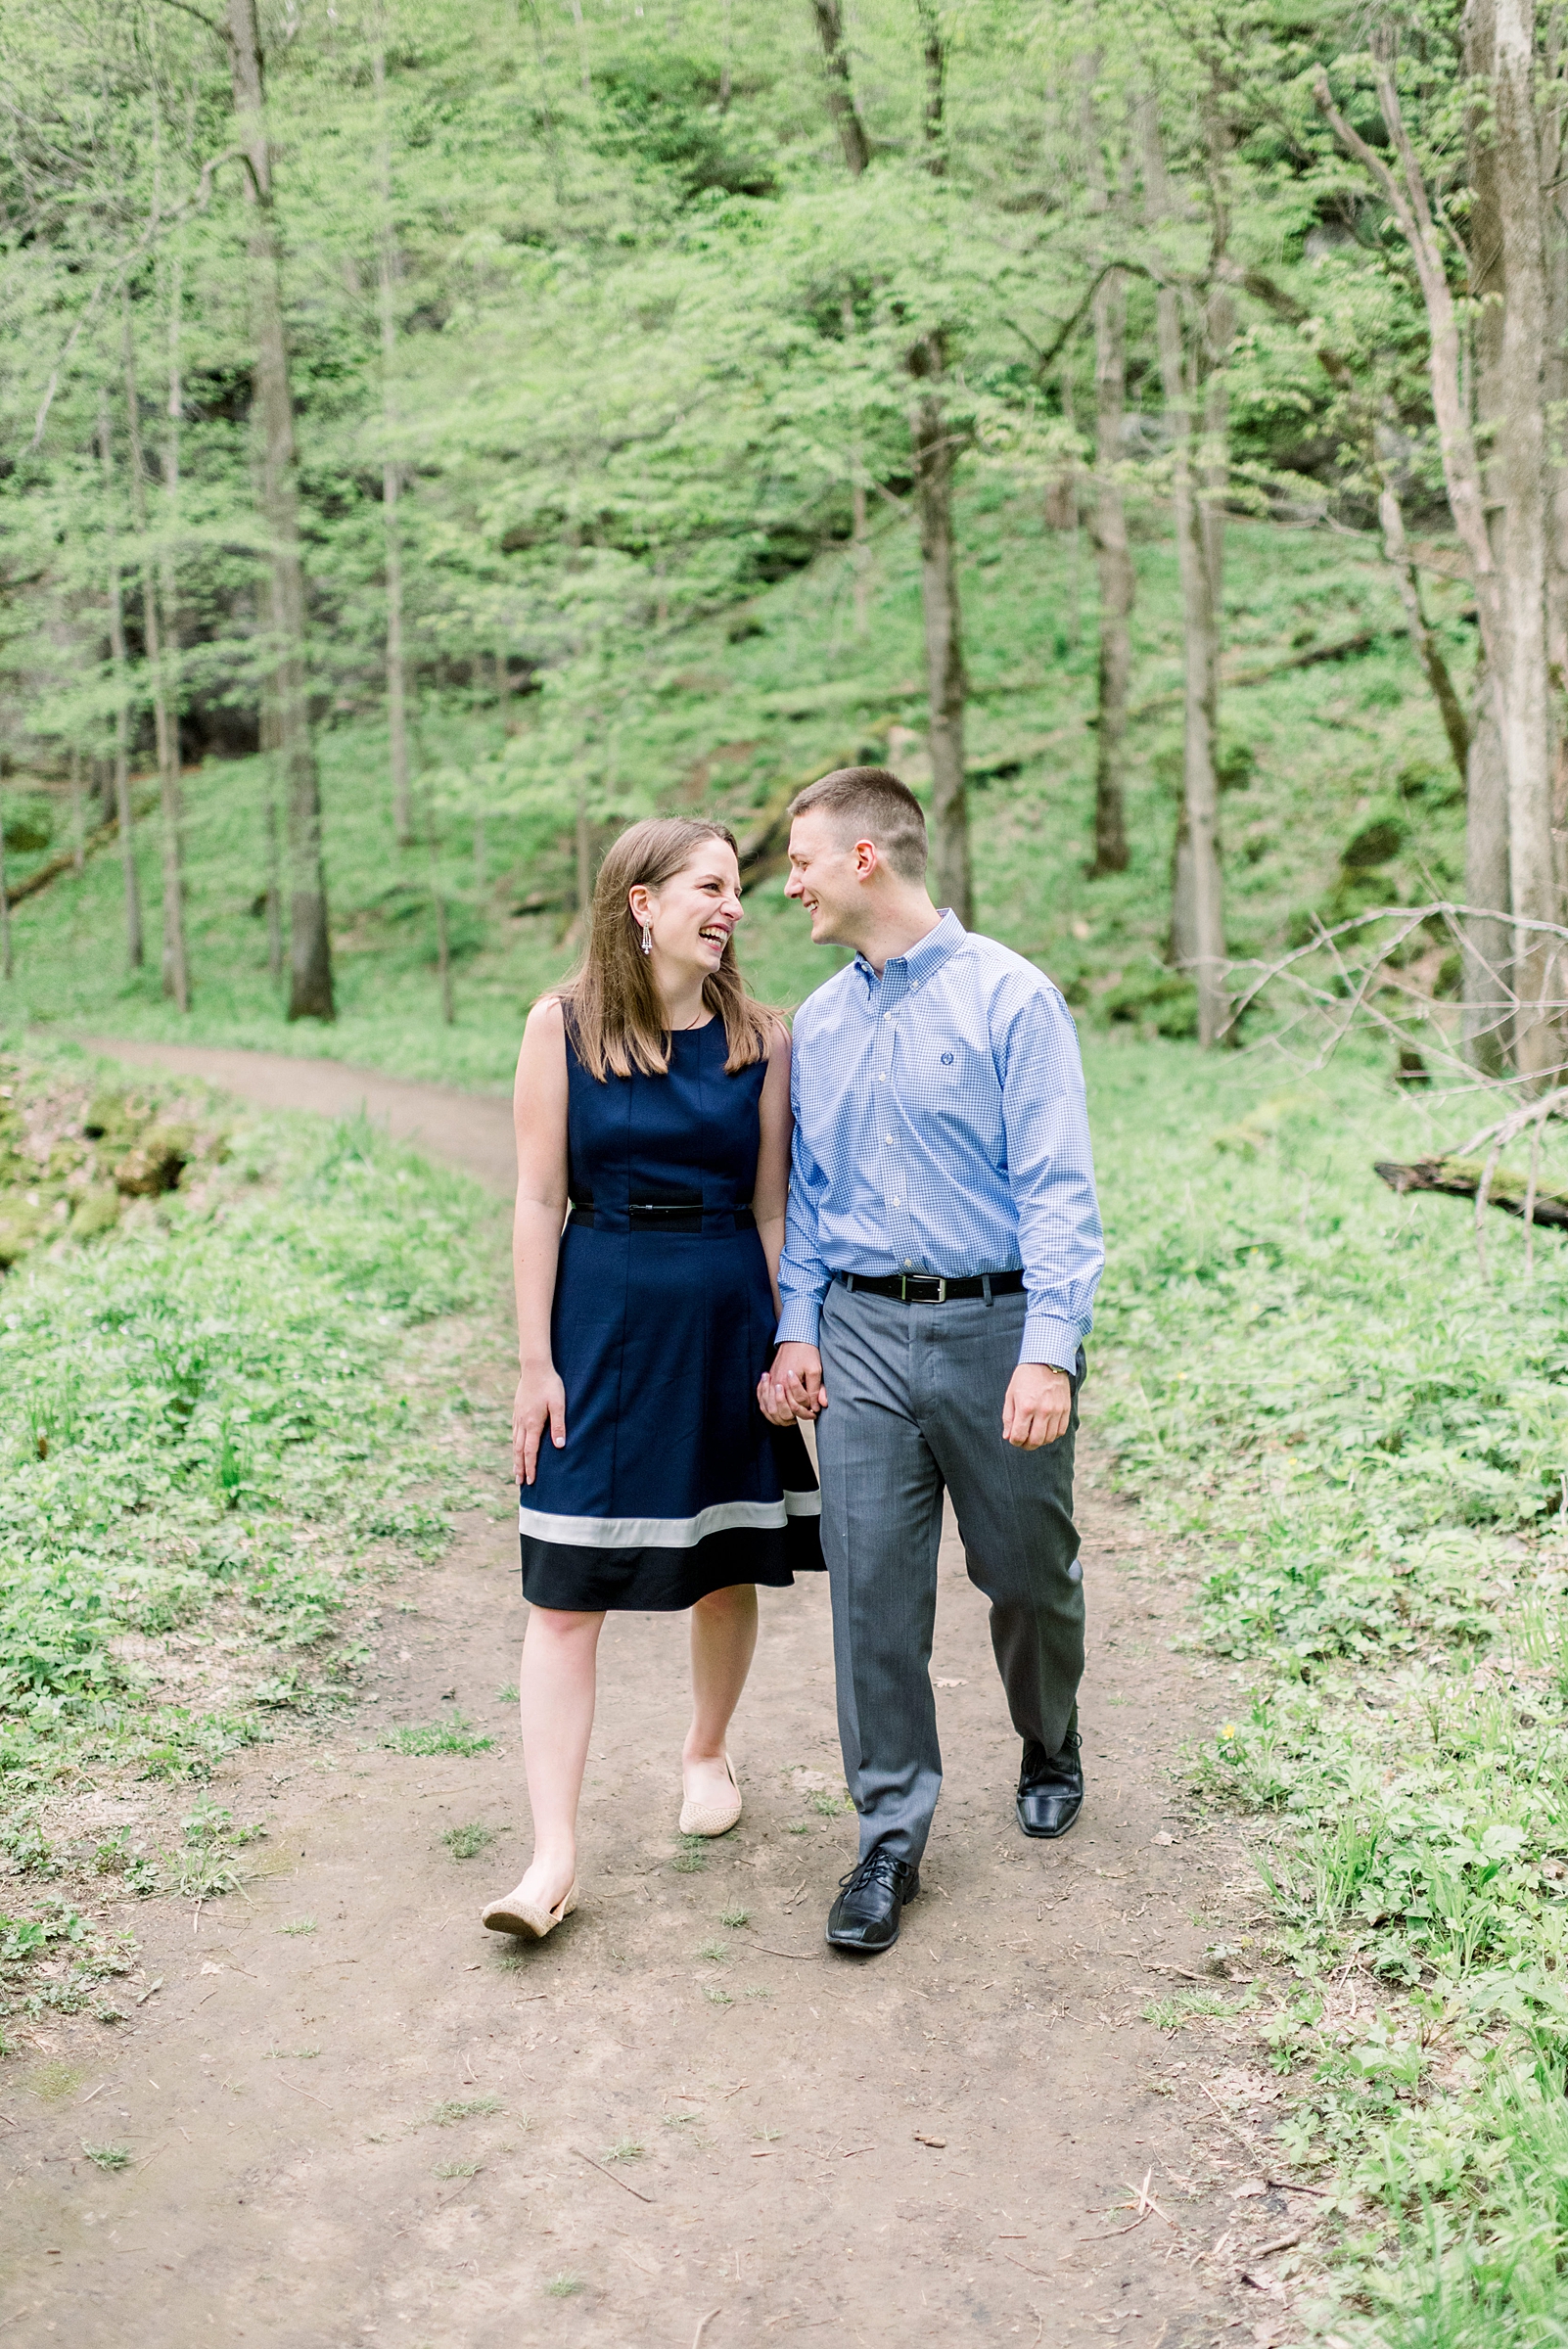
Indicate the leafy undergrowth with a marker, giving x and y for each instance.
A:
(205, 1456)
(1366, 1438)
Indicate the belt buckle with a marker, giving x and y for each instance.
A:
(906, 1279)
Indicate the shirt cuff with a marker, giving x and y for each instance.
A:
(800, 1321)
(1049, 1341)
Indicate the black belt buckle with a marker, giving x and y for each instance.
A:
(922, 1288)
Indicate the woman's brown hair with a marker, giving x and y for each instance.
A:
(613, 1007)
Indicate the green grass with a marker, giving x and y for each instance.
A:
(473, 2108)
(1363, 1442)
(453, 1736)
(107, 2157)
(204, 1439)
(1313, 756)
(467, 1843)
(1183, 2006)
(566, 2286)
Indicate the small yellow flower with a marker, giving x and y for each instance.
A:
(1227, 1728)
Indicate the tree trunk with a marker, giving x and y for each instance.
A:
(309, 940)
(1506, 545)
(1555, 392)
(392, 478)
(583, 49)
(1200, 921)
(116, 656)
(78, 818)
(1396, 554)
(840, 88)
(176, 947)
(443, 958)
(859, 527)
(936, 64)
(1117, 582)
(164, 721)
(1520, 470)
(6, 970)
(1485, 961)
(584, 844)
(932, 450)
(1108, 517)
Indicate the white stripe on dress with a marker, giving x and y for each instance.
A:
(669, 1533)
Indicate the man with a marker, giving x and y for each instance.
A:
(939, 1271)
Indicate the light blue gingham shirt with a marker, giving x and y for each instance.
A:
(941, 1127)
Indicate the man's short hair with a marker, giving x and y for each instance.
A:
(872, 804)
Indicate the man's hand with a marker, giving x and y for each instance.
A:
(1037, 1406)
(792, 1389)
(541, 1404)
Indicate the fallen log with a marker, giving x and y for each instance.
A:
(1461, 1178)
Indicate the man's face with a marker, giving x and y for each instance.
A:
(828, 874)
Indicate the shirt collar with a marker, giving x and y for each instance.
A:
(923, 960)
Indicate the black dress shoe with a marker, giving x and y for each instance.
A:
(1051, 1790)
(870, 1905)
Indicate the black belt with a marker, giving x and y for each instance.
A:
(932, 1288)
(682, 1215)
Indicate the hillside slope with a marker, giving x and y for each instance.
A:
(1338, 754)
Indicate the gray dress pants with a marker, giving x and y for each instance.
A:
(915, 1407)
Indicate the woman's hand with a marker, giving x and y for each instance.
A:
(792, 1388)
(541, 1404)
(771, 1401)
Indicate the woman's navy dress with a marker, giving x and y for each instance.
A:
(671, 1482)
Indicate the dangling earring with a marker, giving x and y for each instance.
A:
(647, 938)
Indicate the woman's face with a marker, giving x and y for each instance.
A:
(692, 916)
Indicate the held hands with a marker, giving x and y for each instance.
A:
(541, 1404)
(792, 1389)
(1037, 1405)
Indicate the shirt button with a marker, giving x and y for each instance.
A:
(887, 1015)
(914, 986)
(909, 1264)
(882, 1077)
(898, 1203)
(889, 1137)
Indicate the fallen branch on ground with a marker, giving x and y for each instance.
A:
(1462, 1178)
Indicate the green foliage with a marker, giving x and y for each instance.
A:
(473, 2108)
(1170, 2014)
(245, 1317)
(467, 1843)
(451, 1737)
(1371, 1463)
(56, 1961)
(107, 2157)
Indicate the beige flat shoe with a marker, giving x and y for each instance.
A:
(524, 1917)
(711, 1818)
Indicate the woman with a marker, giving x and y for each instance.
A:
(654, 1094)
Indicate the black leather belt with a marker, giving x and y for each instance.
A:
(932, 1288)
(681, 1215)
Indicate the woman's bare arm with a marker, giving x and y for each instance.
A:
(771, 1193)
(540, 1115)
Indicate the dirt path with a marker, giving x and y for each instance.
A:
(471, 1131)
(354, 2117)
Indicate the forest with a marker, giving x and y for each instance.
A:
(432, 438)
